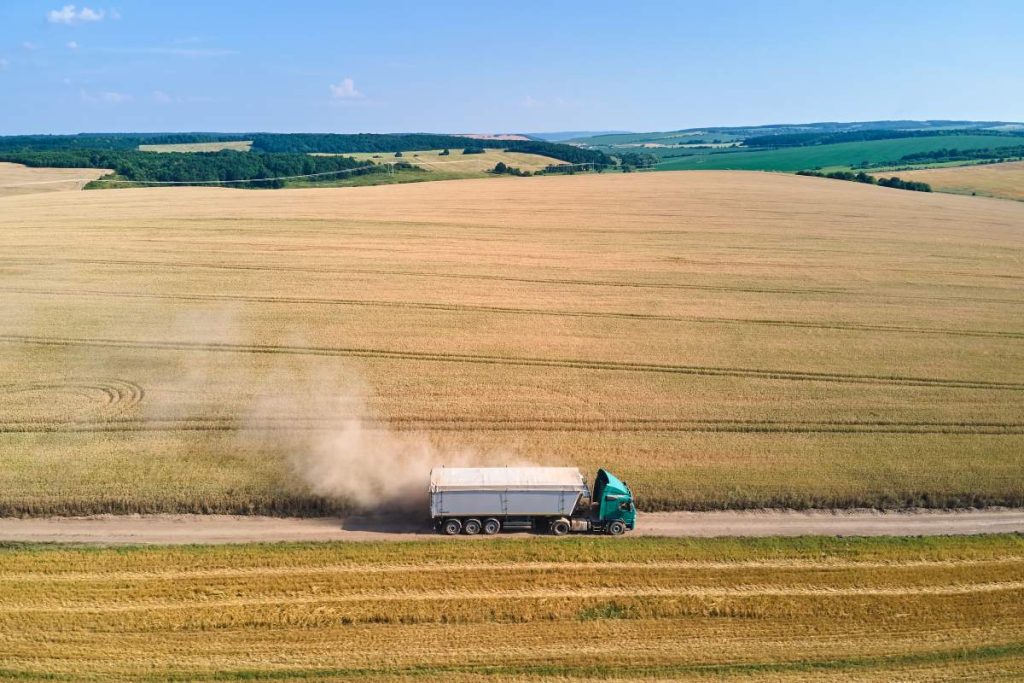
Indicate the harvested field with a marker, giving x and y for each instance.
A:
(1003, 181)
(565, 609)
(17, 179)
(717, 339)
(457, 162)
(235, 145)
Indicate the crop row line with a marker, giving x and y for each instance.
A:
(518, 361)
(474, 425)
(469, 308)
(177, 265)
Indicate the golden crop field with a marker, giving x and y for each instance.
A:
(19, 179)
(457, 162)
(941, 609)
(718, 339)
(235, 145)
(1003, 181)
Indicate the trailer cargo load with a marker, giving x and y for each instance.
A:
(475, 499)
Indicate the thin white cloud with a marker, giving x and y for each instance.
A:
(72, 45)
(108, 97)
(90, 15)
(346, 90)
(4, 64)
(173, 51)
(190, 52)
(115, 97)
(31, 47)
(164, 97)
(68, 15)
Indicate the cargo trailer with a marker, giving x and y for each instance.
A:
(473, 500)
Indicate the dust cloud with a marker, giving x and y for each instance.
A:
(315, 413)
(340, 450)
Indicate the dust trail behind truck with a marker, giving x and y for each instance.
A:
(472, 500)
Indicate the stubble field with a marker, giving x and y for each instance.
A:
(944, 609)
(717, 339)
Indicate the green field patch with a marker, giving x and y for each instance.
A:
(842, 155)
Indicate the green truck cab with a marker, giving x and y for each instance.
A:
(614, 502)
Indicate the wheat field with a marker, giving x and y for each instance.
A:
(18, 179)
(944, 609)
(718, 339)
(1003, 181)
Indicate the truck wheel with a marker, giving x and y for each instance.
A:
(491, 526)
(452, 527)
(471, 527)
(560, 527)
(616, 527)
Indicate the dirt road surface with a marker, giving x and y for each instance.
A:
(183, 529)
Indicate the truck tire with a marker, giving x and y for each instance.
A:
(451, 527)
(491, 526)
(471, 527)
(616, 527)
(560, 527)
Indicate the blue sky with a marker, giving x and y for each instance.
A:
(525, 66)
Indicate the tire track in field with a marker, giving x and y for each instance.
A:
(517, 361)
(503, 278)
(177, 265)
(515, 594)
(455, 424)
(65, 401)
(470, 308)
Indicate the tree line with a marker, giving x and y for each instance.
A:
(108, 141)
(338, 143)
(953, 154)
(272, 155)
(188, 167)
(825, 138)
(862, 177)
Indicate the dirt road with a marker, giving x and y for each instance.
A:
(174, 529)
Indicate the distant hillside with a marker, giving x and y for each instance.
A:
(811, 146)
(562, 136)
(862, 154)
(726, 133)
(272, 159)
(493, 136)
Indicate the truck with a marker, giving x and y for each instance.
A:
(473, 500)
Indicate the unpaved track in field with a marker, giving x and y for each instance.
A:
(181, 529)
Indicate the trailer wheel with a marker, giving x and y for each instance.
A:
(471, 527)
(560, 527)
(616, 527)
(452, 527)
(491, 526)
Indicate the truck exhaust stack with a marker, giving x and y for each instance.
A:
(475, 500)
